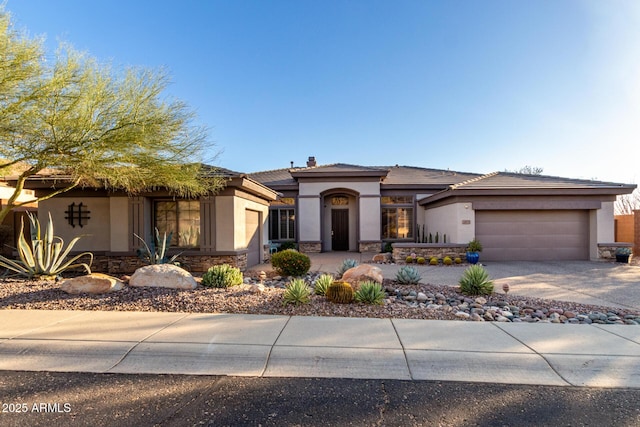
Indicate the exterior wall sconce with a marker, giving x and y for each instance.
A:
(77, 214)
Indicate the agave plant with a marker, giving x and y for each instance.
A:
(370, 293)
(346, 265)
(322, 283)
(297, 292)
(475, 281)
(43, 256)
(408, 275)
(156, 251)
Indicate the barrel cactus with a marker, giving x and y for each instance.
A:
(408, 275)
(340, 292)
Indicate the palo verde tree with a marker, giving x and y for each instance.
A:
(92, 125)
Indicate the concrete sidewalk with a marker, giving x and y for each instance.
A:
(330, 347)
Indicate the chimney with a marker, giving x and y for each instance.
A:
(311, 162)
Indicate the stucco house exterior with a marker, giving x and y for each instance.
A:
(228, 227)
(343, 207)
(516, 217)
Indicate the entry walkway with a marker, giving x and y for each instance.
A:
(283, 346)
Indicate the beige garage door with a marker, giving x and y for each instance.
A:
(252, 223)
(533, 235)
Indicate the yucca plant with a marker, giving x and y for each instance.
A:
(475, 281)
(322, 283)
(370, 292)
(43, 256)
(297, 292)
(222, 276)
(408, 275)
(156, 251)
(346, 265)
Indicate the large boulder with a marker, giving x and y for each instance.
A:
(362, 273)
(94, 283)
(163, 276)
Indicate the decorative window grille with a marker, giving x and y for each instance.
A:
(77, 214)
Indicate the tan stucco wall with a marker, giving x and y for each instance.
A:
(370, 218)
(231, 220)
(119, 224)
(97, 230)
(308, 219)
(601, 228)
(315, 188)
(451, 220)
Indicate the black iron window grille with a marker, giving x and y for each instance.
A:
(77, 214)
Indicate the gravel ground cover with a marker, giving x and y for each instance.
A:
(422, 301)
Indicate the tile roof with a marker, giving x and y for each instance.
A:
(510, 180)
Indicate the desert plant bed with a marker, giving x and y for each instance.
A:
(420, 301)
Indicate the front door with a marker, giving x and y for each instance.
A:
(340, 229)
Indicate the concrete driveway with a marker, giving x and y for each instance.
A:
(585, 282)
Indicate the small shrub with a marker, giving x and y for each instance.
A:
(290, 262)
(370, 293)
(475, 281)
(433, 261)
(340, 292)
(287, 245)
(458, 260)
(407, 275)
(322, 283)
(387, 247)
(474, 246)
(297, 292)
(346, 265)
(447, 260)
(222, 276)
(408, 259)
(421, 260)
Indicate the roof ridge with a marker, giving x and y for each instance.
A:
(472, 180)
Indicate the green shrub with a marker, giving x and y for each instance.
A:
(287, 245)
(297, 292)
(421, 260)
(322, 283)
(407, 275)
(340, 292)
(447, 260)
(474, 246)
(475, 281)
(370, 293)
(346, 265)
(222, 276)
(290, 262)
(458, 260)
(433, 261)
(408, 259)
(43, 256)
(387, 247)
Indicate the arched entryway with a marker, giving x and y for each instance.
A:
(339, 220)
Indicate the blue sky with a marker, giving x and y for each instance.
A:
(475, 86)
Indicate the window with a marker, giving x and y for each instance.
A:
(282, 224)
(397, 221)
(181, 218)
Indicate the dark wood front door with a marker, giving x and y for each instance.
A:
(339, 229)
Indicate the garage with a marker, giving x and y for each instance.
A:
(252, 230)
(533, 235)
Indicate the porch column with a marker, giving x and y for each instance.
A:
(308, 220)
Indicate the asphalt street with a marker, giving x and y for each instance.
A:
(80, 399)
